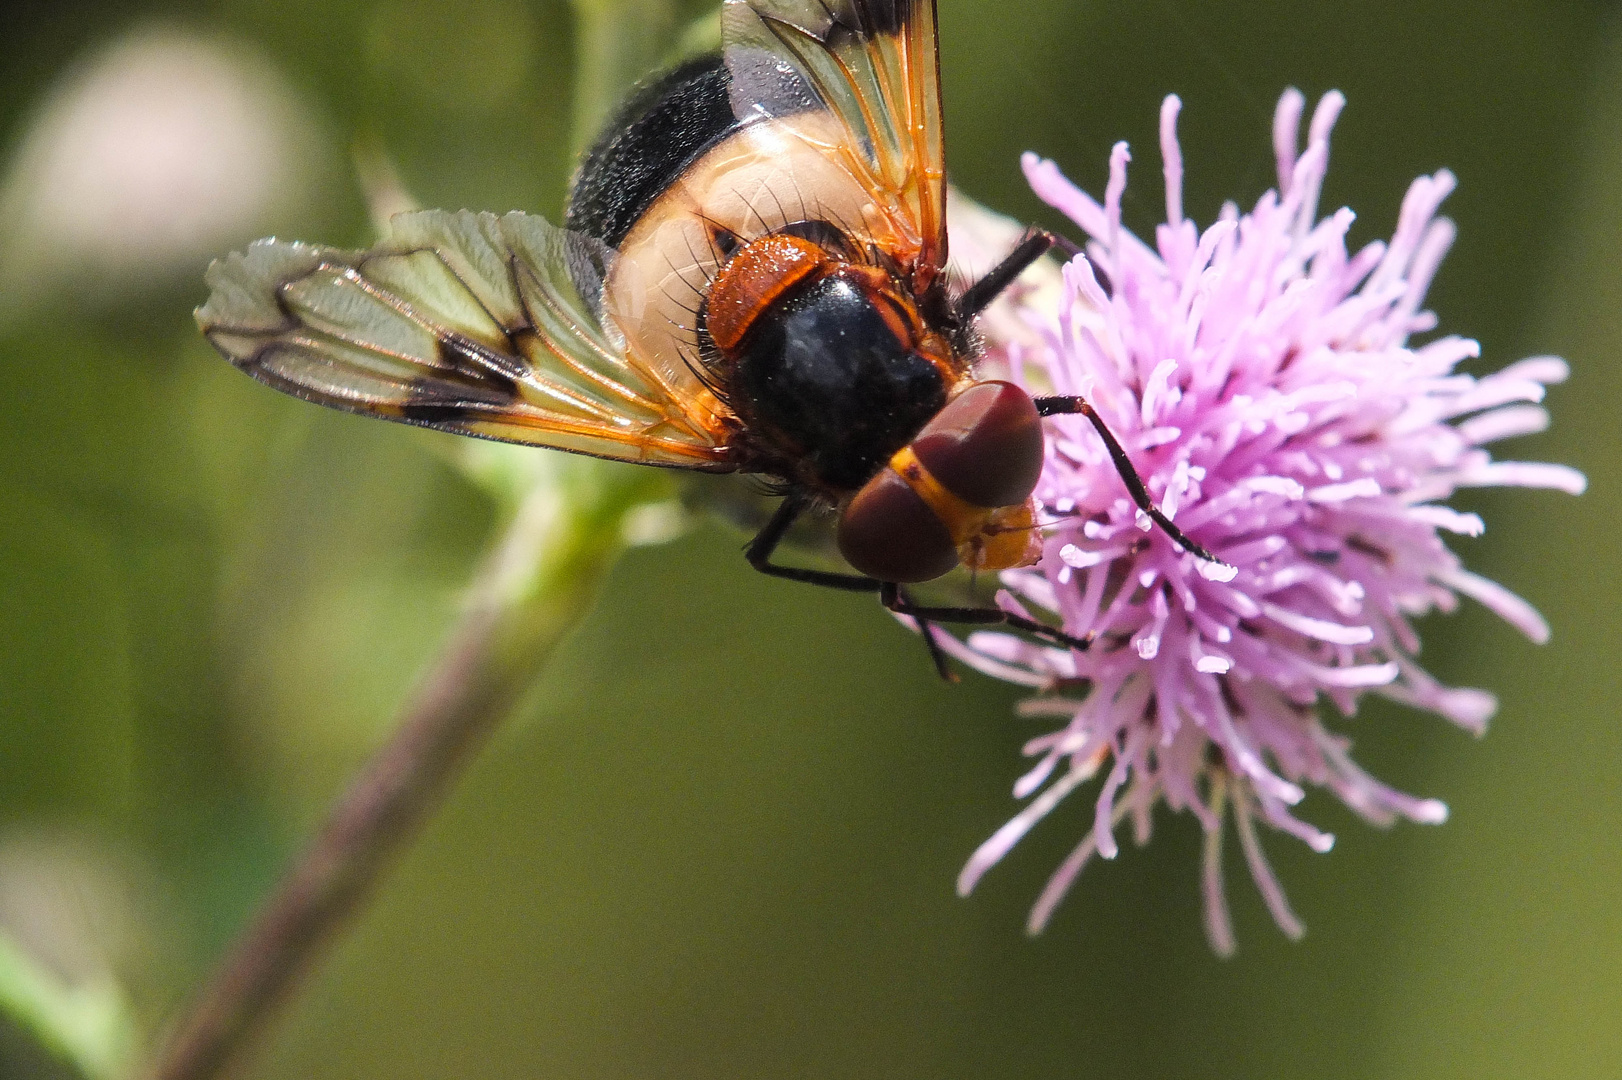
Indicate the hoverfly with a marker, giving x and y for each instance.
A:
(751, 277)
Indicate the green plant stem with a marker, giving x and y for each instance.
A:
(536, 583)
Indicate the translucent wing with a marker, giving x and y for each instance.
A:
(471, 323)
(874, 65)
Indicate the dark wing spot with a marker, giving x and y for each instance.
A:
(864, 20)
(437, 414)
(478, 367)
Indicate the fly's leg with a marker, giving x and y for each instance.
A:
(1071, 404)
(1035, 244)
(759, 552)
(926, 630)
(890, 596)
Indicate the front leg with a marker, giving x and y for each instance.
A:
(1035, 244)
(759, 554)
(1071, 404)
(760, 549)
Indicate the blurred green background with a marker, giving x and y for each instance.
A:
(721, 838)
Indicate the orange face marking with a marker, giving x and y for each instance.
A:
(754, 278)
(987, 538)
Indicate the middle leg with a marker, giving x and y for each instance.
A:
(891, 596)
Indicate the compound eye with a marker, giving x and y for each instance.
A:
(985, 447)
(889, 533)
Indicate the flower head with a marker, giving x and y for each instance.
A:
(1262, 380)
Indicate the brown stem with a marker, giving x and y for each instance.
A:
(527, 593)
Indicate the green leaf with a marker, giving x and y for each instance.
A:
(88, 1026)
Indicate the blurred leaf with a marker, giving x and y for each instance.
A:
(66, 686)
(407, 41)
(89, 1026)
(702, 35)
(617, 43)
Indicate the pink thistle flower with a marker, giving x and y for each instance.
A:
(1263, 381)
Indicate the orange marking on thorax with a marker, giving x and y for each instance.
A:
(752, 280)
